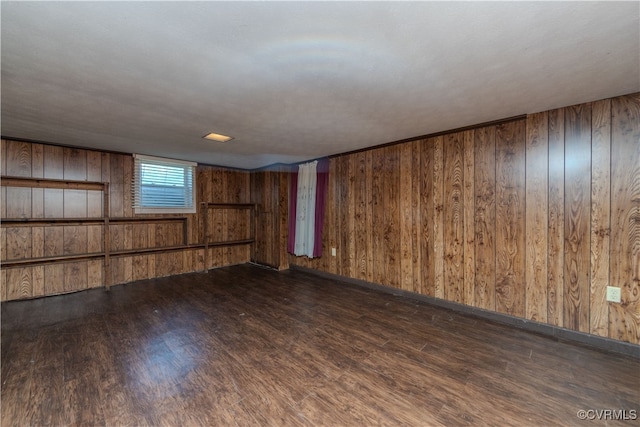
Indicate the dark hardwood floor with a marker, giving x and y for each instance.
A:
(248, 346)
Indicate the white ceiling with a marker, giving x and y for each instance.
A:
(293, 81)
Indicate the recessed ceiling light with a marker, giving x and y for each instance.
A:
(218, 137)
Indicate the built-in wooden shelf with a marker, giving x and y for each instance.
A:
(50, 259)
(206, 206)
(105, 221)
(150, 220)
(233, 242)
(64, 184)
(30, 222)
(142, 251)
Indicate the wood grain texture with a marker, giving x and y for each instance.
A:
(417, 229)
(377, 215)
(438, 217)
(510, 218)
(3, 202)
(348, 226)
(37, 281)
(53, 203)
(392, 253)
(555, 239)
(53, 162)
(3, 244)
(3, 190)
(330, 220)
(338, 243)
(202, 194)
(18, 202)
(74, 164)
(18, 243)
(94, 274)
(3, 285)
(18, 157)
(259, 197)
(127, 191)
(405, 201)
(469, 261)
(600, 215)
(270, 192)
(537, 214)
(75, 276)
(54, 241)
(53, 169)
(19, 283)
(3, 156)
(359, 192)
(37, 171)
(577, 209)
(369, 171)
(74, 240)
(219, 217)
(453, 217)
(427, 216)
(37, 242)
(74, 168)
(485, 217)
(282, 219)
(624, 318)
(231, 225)
(54, 279)
(345, 234)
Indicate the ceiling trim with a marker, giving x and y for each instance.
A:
(79, 147)
(289, 165)
(432, 135)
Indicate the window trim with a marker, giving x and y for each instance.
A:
(139, 159)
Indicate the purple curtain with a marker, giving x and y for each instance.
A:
(322, 171)
(293, 202)
(321, 197)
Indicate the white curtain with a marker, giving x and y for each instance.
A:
(306, 209)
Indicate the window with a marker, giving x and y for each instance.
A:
(163, 185)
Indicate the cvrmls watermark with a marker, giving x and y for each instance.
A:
(608, 414)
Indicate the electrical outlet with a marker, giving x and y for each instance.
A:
(613, 294)
(333, 251)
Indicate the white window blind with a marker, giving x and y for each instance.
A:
(163, 185)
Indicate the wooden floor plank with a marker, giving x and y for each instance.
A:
(245, 346)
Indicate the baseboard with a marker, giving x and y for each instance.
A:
(267, 266)
(555, 332)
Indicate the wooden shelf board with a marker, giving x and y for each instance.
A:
(149, 220)
(16, 181)
(47, 260)
(232, 242)
(231, 205)
(13, 222)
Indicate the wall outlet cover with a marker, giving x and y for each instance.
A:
(613, 294)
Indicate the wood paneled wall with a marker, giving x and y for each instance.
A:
(218, 185)
(270, 192)
(25, 159)
(532, 218)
